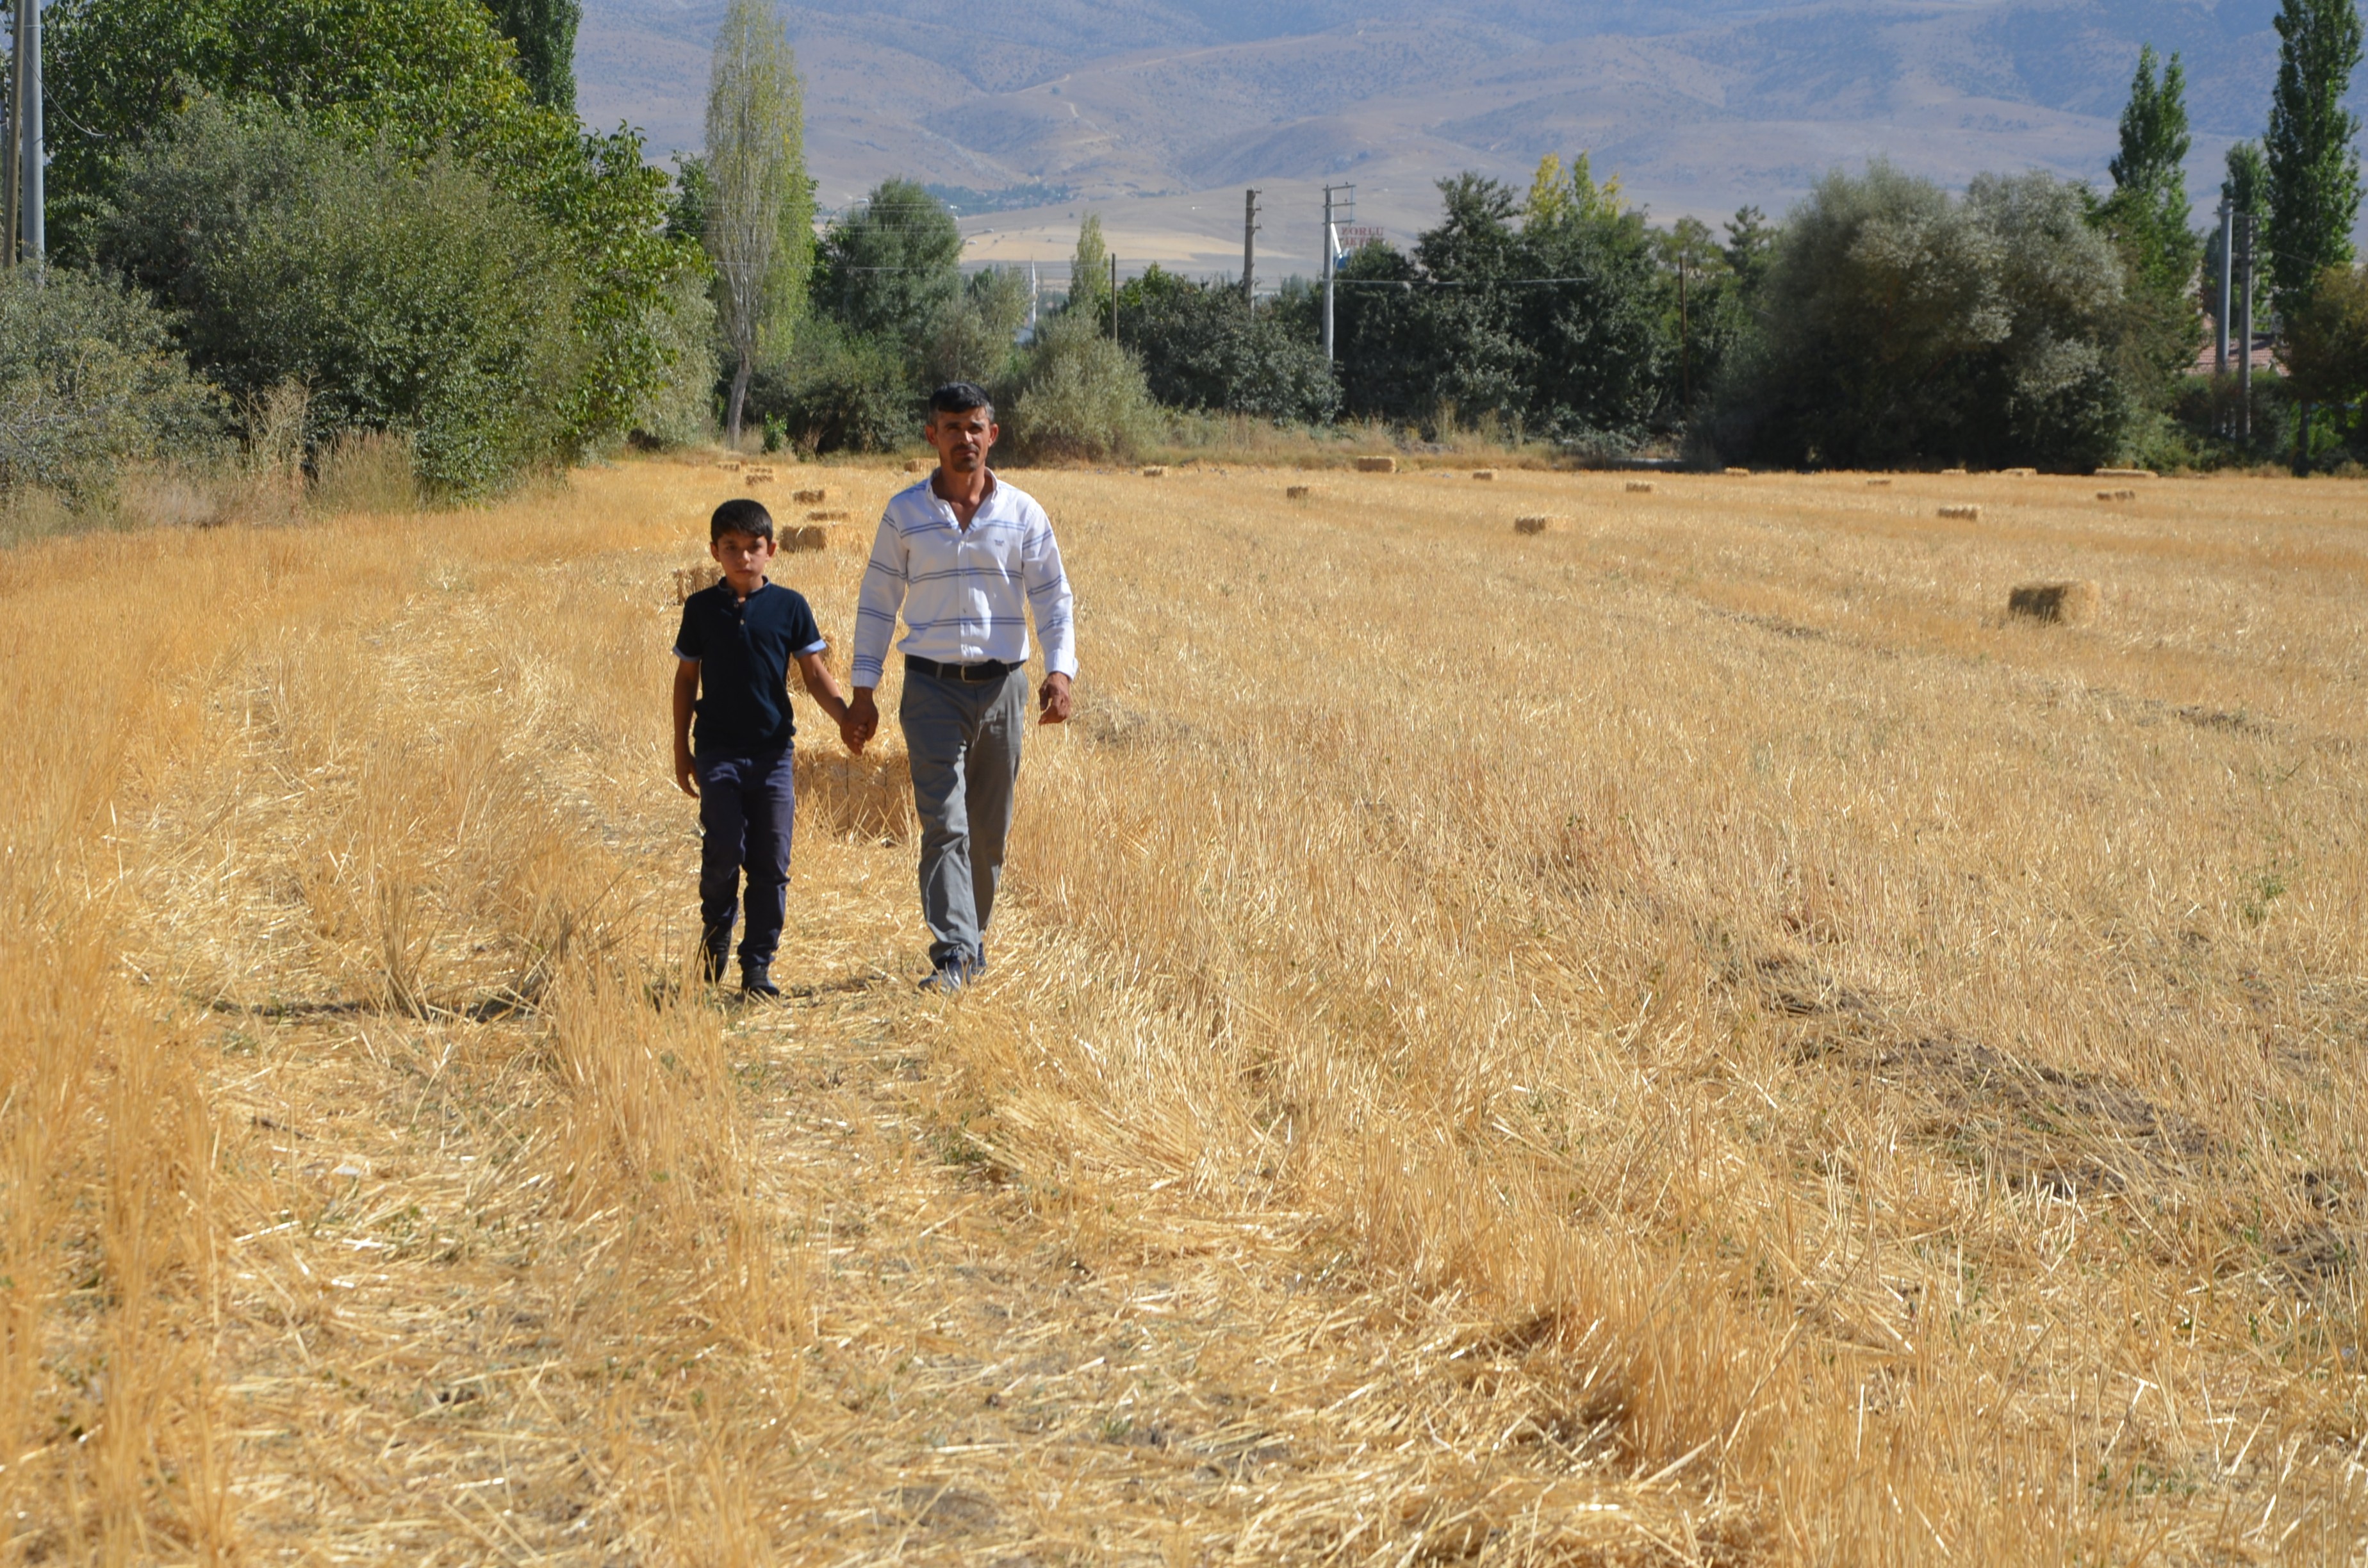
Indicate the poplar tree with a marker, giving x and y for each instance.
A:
(2149, 210)
(757, 224)
(544, 32)
(2313, 171)
(1089, 270)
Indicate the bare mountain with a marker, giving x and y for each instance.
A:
(1143, 107)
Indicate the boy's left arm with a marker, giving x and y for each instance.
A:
(822, 685)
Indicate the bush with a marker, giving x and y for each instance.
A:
(1083, 397)
(412, 298)
(88, 382)
(836, 392)
(680, 409)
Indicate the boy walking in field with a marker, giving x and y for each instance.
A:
(733, 656)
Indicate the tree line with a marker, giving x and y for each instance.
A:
(392, 207)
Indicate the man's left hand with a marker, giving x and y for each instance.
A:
(1052, 700)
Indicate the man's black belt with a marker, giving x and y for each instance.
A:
(993, 669)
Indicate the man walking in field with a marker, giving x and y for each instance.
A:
(964, 557)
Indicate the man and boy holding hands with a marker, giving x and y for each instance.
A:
(963, 557)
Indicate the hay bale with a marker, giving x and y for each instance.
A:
(756, 474)
(1967, 514)
(2020, 473)
(1155, 471)
(1484, 473)
(1958, 471)
(1540, 523)
(2057, 603)
(1300, 492)
(2127, 473)
(688, 580)
(814, 496)
(1738, 474)
(729, 465)
(811, 536)
(1640, 487)
(1377, 465)
(831, 514)
(2117, 495)
(917, 465)
(1878, 482)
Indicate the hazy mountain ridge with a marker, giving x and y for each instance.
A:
(1699, 106)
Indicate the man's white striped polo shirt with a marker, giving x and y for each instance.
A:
(965, 594)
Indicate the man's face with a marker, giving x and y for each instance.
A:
(962, 440)
(743, 558)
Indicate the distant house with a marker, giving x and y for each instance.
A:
(2265, 357)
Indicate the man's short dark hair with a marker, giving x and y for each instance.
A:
(960, 397)
(741, 516)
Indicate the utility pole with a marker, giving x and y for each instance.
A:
(1339, 201)
(1249, 250)
(2220, 316)
(2245, 328)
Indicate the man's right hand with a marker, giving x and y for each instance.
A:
(862, 721)
(686, 773)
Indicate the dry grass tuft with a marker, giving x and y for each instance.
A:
(1805, 1070)
(2072, 603)
(366, 471)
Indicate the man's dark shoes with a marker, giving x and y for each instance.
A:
(950, 976)
(757, 981)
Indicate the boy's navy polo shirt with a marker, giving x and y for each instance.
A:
(743, 648)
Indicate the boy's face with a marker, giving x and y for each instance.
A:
(743, 558)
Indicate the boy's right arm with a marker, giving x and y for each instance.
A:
(686, 693)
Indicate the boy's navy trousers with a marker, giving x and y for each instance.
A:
(746, 808)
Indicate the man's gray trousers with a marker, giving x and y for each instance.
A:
(964, 738)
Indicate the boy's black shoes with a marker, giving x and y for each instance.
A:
(713, 957)
(756, 979)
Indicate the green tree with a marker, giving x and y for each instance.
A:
(2313, 170)
(2149, 210)
(1089, 272)
(2245, 188)
(757, 217)
(543, 32)
(1200, 349)
(406, 296)
(974, 338)
(889, 266)
(2326, 340)
(1083, 396)
(418, 78)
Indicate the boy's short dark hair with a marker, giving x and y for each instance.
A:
(960, 397)
(741, 516)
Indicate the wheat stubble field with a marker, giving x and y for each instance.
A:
(1686, 1037)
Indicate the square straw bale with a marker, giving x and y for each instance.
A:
(2062, 604)
(1377, 465)
(1965, 513)
(1640, 487)
(1542, 523)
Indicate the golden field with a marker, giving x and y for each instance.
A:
(1688, 1037)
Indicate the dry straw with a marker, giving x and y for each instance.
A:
(1377, 465)
(2068, 603)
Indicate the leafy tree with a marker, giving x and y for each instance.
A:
(1089, 272)
(406, 296)
(974, 339)
(418, 78)
(90, 380)
(1201, 349)
(1750, 248)
(889, 266)
(2148, 209)
(756, 205)
(1903, 327)
(837, 391)
(543, 32)
(2326, 340)
(2313, 171)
